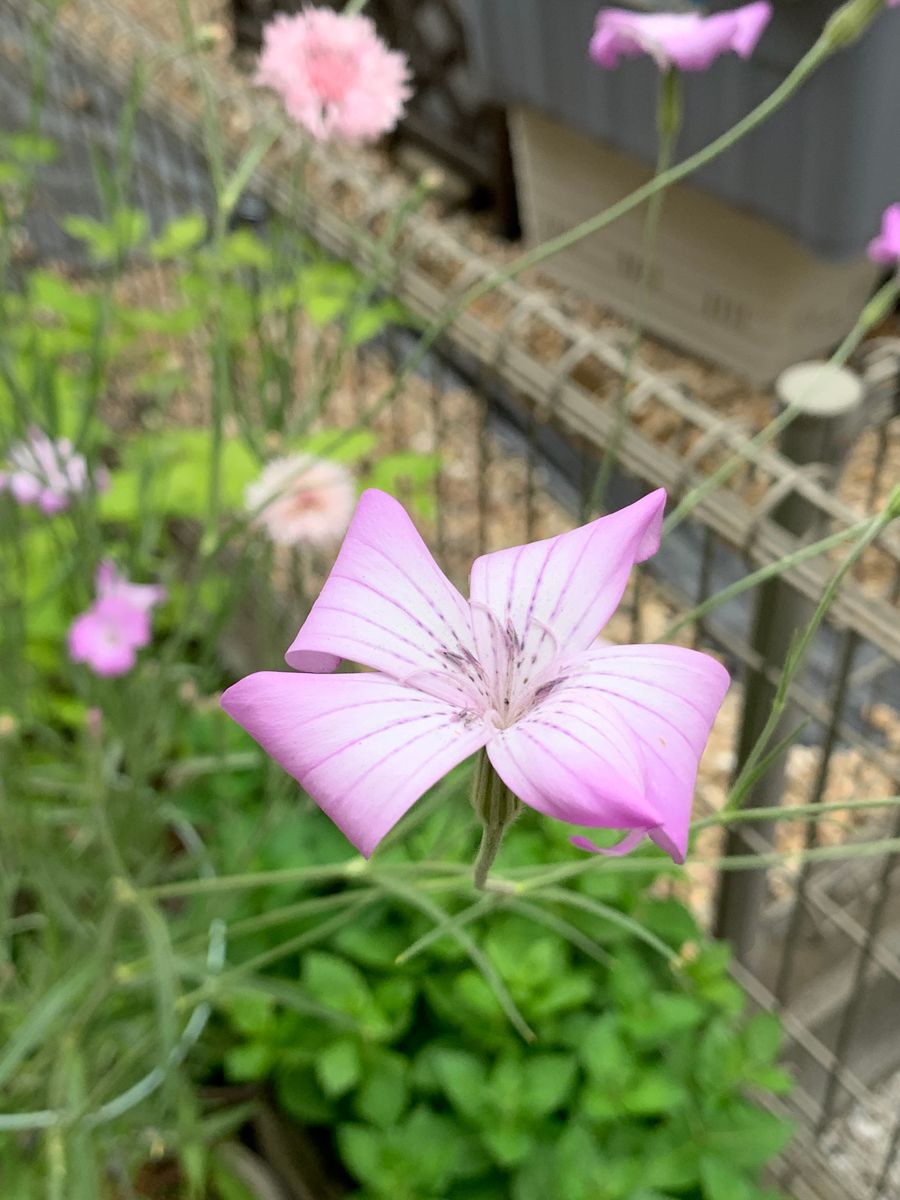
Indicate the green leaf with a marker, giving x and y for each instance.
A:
(606, 1055)
(179, 236)
(300, 1095)
(384, 1092)
(338, 1067)
(462, 1077)
(653, 1094)
(722, 1182)
(336, 983)
(748, 1136)
(509, 1145)
(762, 1039)
(250, 1062)
(366, 323)
(546, 1083)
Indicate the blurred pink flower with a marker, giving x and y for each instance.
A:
(686, 40)
(885, 248)
(46, 473)
(142, 596)
(108, 636)
(334, 74)
(597, 735)
(302, 500)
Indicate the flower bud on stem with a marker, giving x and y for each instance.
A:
(496, 808)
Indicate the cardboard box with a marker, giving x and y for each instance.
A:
(725, 285)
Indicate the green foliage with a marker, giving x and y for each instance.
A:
(634, 1090)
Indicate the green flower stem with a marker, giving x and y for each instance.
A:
(844, 26)
(813, 550)
(496, 807)
(874, 312)
(669, 114)
(792, 813)
(797, 654)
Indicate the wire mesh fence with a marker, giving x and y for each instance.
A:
(516, 400)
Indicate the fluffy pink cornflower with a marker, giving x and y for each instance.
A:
(597, 735)
(301, 500)
(46, 473)
(885, 248)
(334, 74)
(686, 40)
(109, 634)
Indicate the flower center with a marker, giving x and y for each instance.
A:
(331, 73)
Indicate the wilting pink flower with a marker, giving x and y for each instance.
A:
(46, 473)
(596, 735)
(302, 500)
(334, 74)
(142, 596)
(886, 247)
(686, 40)
(108, 636)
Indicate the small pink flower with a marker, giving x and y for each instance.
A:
(142, 596)
(686, 40)
(108, 636)
(886, 247)
(46, 473)
(334, 74)
(302, 500)
(597, 735)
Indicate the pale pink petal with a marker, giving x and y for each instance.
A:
(885, 248)
(668, 697)
(686, 40)
(574, 758)
(362, 745)
(571, 584)
(386, 603)
(750, 23)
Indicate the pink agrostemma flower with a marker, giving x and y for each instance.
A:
(885, 248)
(45, 473)
(334, 74)
(110, 583)
(109, 634)
(301, 500)
(597, 735)
(688, 41)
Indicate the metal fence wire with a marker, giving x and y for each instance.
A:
(517, 397)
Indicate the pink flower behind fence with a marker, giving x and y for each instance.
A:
(885, 248)
(334, 74)
(45, 473)
(686, 40)
(597, 735)
(301, 500)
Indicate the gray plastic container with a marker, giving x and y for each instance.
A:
(823, 168)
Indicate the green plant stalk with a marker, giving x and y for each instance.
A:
(669, 114)
(798, 652)
(496, 807)
(792, 813)
(770, 571)
(872, 314)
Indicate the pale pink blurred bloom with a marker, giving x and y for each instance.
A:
(334, 74)
(603, 736)
(885, 248)
(46, 473)
(107, 637)
(142, 596)
(687, 40)
(301, 500)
